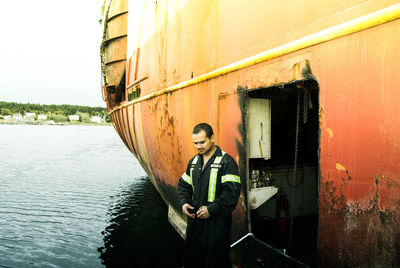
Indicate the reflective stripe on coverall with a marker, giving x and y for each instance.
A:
(217, 186)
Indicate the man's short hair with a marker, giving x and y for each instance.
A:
(205, 127)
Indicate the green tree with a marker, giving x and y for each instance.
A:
(5, 111)
(9, 108)
(58, 118)
(107, 118)
(84, 117)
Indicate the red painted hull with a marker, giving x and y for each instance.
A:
(359, 106)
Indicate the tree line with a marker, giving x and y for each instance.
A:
(60, 112)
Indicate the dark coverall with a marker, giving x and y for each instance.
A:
(217, 186)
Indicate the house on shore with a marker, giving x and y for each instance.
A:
(73, 117)
(30, 116)
(7, 117)
(17, 117)
(42, 117)
(96, 119)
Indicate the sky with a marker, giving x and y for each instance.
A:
(50, 52)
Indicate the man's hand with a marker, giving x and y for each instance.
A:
(185, 210)
(202, 213)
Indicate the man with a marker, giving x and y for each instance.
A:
(208, 193)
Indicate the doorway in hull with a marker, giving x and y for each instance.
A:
(283, 160)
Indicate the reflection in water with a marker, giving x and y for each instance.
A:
(139, 234)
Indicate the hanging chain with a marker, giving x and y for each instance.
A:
(295, 165)
(306, 99)
(296, 148)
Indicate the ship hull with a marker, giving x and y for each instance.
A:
(185, 71)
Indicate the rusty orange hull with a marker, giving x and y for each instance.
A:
(200, 61)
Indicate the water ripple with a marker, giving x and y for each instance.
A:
(56, 187)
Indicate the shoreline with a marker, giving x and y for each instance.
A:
(38, 123)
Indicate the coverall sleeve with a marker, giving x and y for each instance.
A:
(230, 182)
(185, 187)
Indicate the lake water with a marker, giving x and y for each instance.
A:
(74, 196)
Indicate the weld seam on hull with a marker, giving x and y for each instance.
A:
(134, 83)
(115, 38)
(117, 15)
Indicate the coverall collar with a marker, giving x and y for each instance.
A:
(217, 152)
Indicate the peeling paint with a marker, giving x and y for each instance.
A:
(296, 71)
(330, 132)
(340, 167)
(344, 177)
(306, 71)
(361, 232)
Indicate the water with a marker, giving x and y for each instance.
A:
(74, 196)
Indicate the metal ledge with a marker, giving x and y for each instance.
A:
(177, 222)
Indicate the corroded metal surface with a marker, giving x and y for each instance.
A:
(357, 74)
(113, 52)
(360, 151)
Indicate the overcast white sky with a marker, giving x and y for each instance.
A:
(49, 52)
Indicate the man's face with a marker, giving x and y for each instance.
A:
(202, 143)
